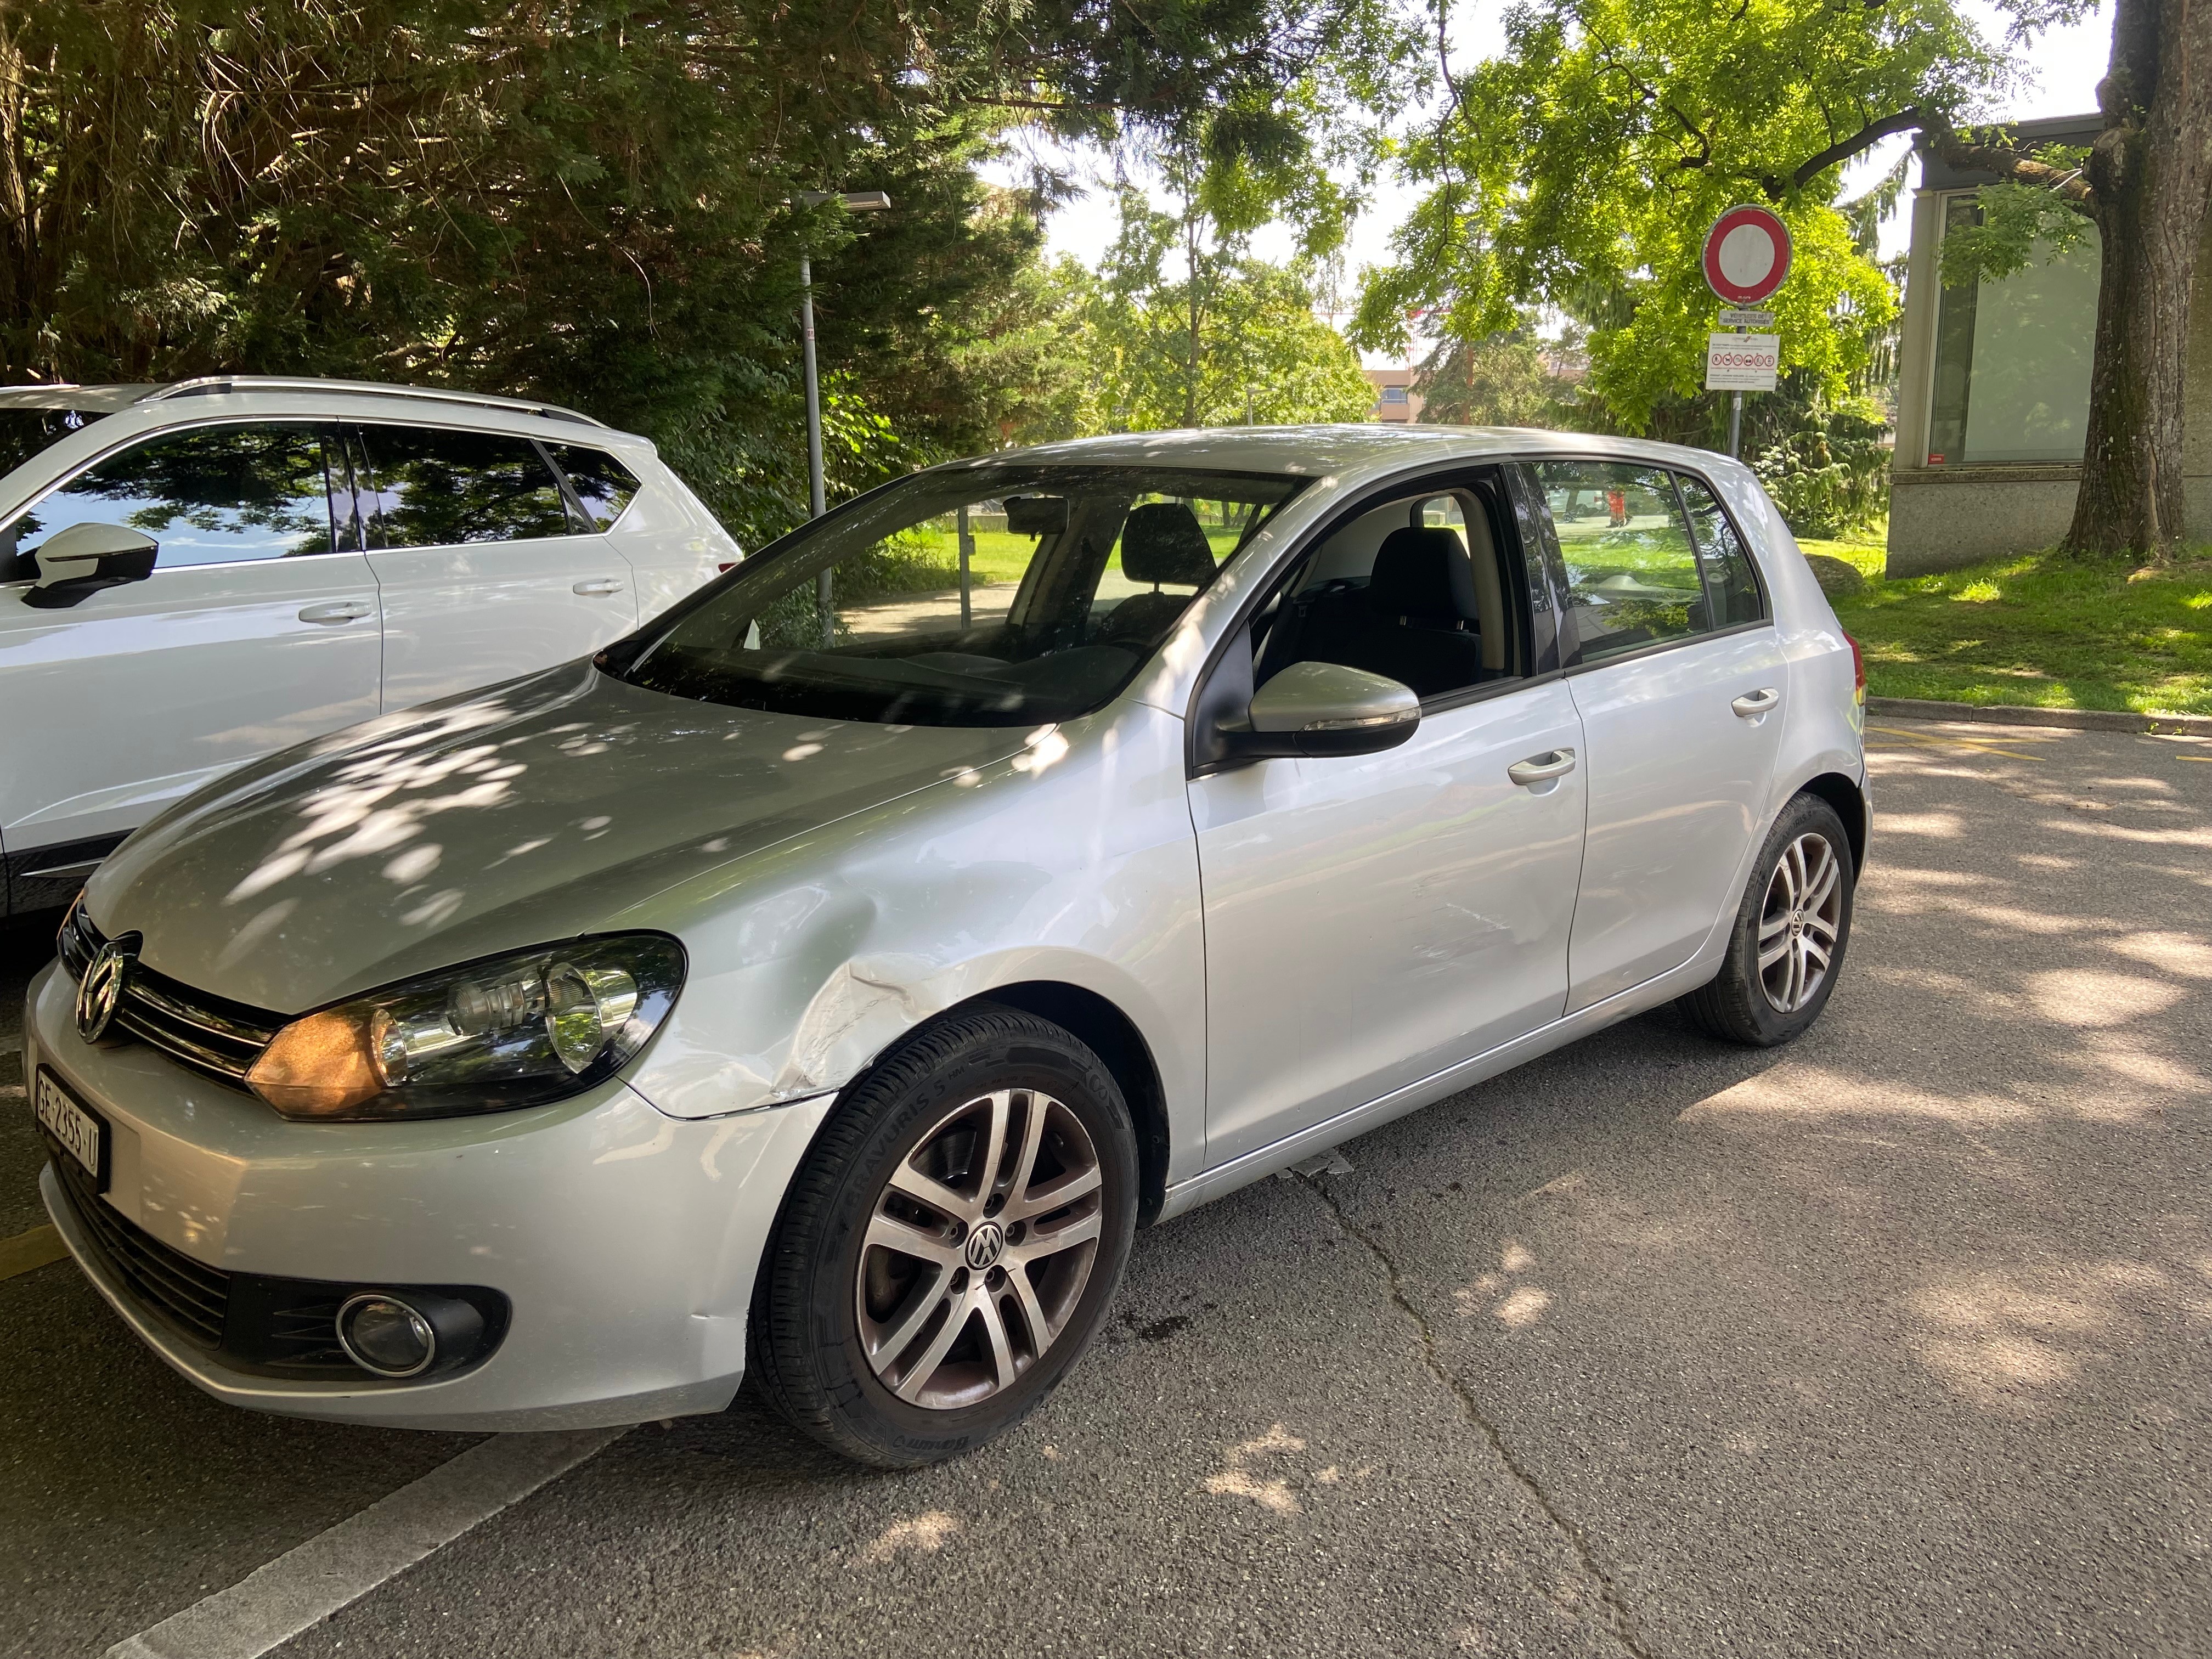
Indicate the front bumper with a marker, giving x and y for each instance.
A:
(625, 1240)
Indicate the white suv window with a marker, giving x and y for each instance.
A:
(213, 494)
(432, 487)
(602, 483)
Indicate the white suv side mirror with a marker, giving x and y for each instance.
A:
(75, 562)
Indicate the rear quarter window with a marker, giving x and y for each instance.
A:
(1730, 578)
(603, 484)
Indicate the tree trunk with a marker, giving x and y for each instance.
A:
(2150, 172)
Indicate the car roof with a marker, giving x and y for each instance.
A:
(105, 399)
(1340, 450)
(111, 399)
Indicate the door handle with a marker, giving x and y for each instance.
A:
(341, 610)
(1551, 764)
(1756, 703)
(597, 585)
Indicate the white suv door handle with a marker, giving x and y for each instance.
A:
(597, 585)
(1552, 764)
(1756, 703)
(341, 610)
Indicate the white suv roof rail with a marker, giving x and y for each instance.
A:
(209, 386)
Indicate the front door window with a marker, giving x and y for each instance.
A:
(215, 494)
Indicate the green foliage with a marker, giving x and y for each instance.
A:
(1225, 338)
(589, 201)
(1501, 380)
(1581, 169)
(2017, 224)
(1828, 471)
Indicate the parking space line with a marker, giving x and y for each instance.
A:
(26, 1251)
(272, 1604)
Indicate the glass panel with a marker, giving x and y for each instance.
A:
(1729, 578)
(1004, 596)
(25, 432)
(602, 483)
(1631, 572)
(217, 494)
(2013, 359)
(1407, 590)
(441, 489)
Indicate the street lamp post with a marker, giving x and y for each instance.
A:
(855, 201)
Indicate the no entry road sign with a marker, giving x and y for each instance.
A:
(1746, 255)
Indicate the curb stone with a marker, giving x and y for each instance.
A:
(2072, 720)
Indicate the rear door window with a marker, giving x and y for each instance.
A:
(1631, 568)
(435, 486)
(214, 494)
(603, 485)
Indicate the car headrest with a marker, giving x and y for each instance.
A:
(1422, 571)
(1163, 542)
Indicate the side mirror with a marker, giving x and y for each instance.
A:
(78, 561)
(1318, 709)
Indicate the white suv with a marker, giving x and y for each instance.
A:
(194, 575)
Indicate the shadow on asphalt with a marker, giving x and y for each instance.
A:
(1891, 1340)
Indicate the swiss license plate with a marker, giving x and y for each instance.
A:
(79, 1131)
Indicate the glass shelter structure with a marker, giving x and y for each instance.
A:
(1993, 387)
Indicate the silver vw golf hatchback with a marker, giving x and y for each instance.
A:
(830, 977)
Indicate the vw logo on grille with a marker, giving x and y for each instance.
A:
(101, 989)
(984, 1246)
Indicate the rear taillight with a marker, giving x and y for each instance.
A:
(1858, 668)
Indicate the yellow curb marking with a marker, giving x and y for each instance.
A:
(1936, 740)
(26, 1251)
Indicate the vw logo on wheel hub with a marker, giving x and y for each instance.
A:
(984, 1247)
(101, 989)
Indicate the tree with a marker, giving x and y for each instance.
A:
(2144, 185)
(1227, 339)
(590, 200)
(1510, 379)
(1580, 171)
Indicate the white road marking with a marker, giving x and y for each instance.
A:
(304, 1586)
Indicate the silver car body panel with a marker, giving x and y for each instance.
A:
(834, 885)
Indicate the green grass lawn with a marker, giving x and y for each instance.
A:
(2040, 630)
(1002, 557)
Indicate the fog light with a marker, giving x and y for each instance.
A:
(382, 1333)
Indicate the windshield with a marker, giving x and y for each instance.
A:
(1001, 596)
(25, 432)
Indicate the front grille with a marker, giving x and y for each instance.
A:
(213, 1037)
(255, 1322)
(193, 1297)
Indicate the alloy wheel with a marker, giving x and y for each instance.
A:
(978, 1248)
(1799, 922)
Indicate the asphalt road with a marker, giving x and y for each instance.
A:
(1892, 1342)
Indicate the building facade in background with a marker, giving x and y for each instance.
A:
(1396, 400)
(1993, 387)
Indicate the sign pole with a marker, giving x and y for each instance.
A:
(1746, 255)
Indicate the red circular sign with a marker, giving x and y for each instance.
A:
(1746, 255)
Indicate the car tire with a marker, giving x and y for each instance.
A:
(993, 1145)
(1791, 929)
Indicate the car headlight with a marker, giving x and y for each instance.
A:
(487, 1037)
